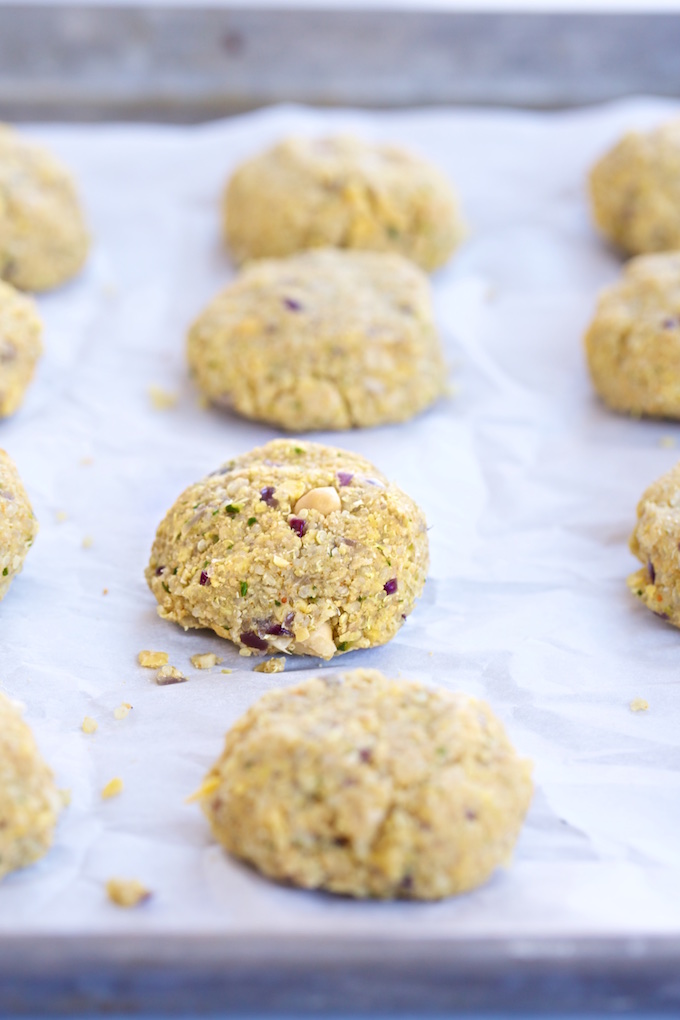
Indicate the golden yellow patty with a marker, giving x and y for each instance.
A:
(340, 192)
(18, 526)
(656, 543)
(29, 801)
(20, 346)
(324, 340)
(635, 191)
(43, 237)
(369, 787)
(293, 547)
(633, 343)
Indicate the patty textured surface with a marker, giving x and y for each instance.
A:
(29, 800)
(292, 547)
(324, 340)
(340, 192)
(633, 343)
(43, 237)
(20, 346)
(369, 787)
(635, 191)
(18, 526)
(656, 543)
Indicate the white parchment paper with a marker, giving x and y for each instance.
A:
(529, 485)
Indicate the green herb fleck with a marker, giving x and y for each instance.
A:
(393, 233)
(206, 564)
(5, 572)
(251, 521)
(276, 602)
(298, 449)
(244, 588)
(174, 571)
(232, 509)
(343, 646)
(165, 586)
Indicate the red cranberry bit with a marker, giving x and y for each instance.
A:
(298, 525)
(391, 586)
(651, 571)
(204, 578)
(345, 478)
(292, 305)
(267, 496)
(365, 754)
(670, 323)
(159, 571)
(253, 640)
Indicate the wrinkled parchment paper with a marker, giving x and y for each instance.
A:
(529, 485)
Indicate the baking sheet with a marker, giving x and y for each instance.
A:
(529, 486)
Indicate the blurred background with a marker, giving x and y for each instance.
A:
(172, 61)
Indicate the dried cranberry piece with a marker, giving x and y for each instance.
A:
(292, 305)
(391, 586)
(253, 640)
(267, 496)
(159, 571)
(651, 571)
(204, 579)
(298, 525)
(345, 478)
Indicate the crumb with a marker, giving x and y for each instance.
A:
(113, 788)
(105, 591)
(88, 542)
(226, 671)
(161, 400)
(205, 661)
(430, 653)
(639, 705)
(90, 725)
(275, 665)
(152, 660)
(61, 516)
(169, 675)
(208, 786)
(122, 710)
(86, 461)
(127, 892)
(667, 442)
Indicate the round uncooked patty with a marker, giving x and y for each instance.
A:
(292, 547)
(18, 526)
(656, 543)
(29, 800)
(369, 787)
(635, 191)
(43, 238)
(20, 346)
(340, 192)
(323, 340)
(633, 343)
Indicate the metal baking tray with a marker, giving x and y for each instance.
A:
(84, 63)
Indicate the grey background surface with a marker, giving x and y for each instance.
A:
(155, 63)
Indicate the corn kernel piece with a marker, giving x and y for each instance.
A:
(122, 710)
(90, 725)
(112, 788)
(127, 892)
(152, 660)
